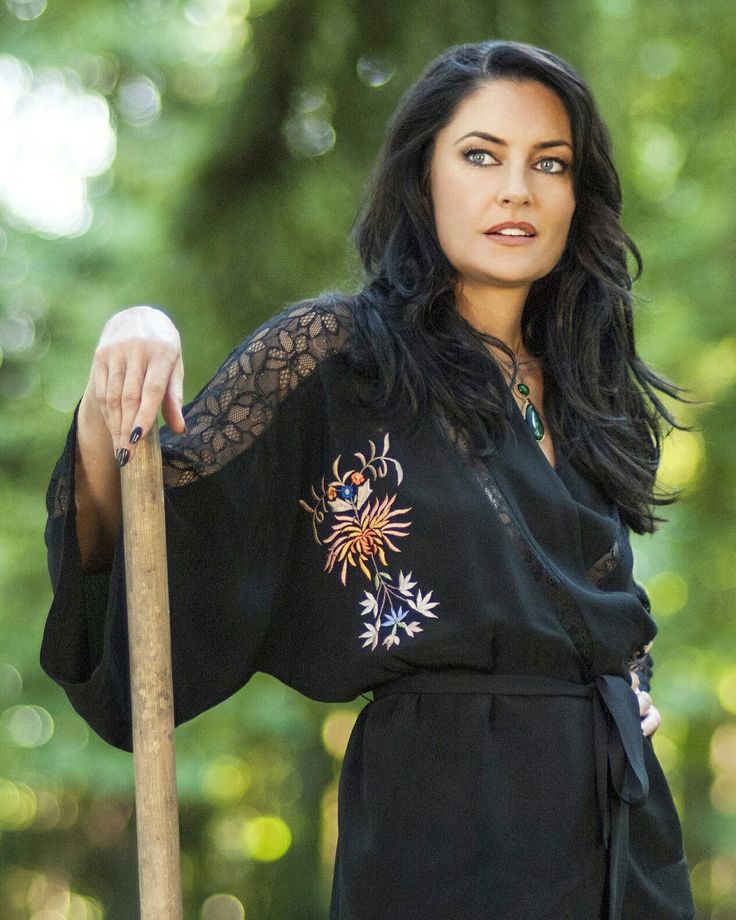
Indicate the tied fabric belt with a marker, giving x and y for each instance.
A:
(617, 739)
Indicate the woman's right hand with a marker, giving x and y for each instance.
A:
(137, 369)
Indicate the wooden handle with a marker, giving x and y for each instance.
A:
(149, 631)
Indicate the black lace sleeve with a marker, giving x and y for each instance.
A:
(231, 484)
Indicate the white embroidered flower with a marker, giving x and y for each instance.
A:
(422, 604)
(369, 605)
(406, 584)
(370, 635)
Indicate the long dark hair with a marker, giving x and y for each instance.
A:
(416, 354)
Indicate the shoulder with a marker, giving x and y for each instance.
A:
(289, 346)
(256, 384)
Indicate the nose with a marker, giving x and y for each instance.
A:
(513, 187)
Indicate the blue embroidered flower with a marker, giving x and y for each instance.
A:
(395, 617)
(347, 492)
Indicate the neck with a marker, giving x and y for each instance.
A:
(496, 312)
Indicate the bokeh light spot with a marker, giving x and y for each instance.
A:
(723, 748)
(28, 726)
(374, 71)
(683, 456)
(226, 780)
(668, 593)
(17, 805)
(659, 155)
(26, 10)
(336, 730)
(222, 907)
(53, 137)
(139, 101)
(17, 332)
(308, 136)
(266, 838)
(11, 684)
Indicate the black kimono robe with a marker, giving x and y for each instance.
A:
(500, 771)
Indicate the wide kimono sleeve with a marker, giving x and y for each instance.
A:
(231, 487)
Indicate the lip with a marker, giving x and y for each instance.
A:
(491, 233)
(519, 225)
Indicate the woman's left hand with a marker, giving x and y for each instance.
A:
(650, 717)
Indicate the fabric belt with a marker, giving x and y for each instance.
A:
(617, 741)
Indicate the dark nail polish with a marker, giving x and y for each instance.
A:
(135, 435)
(122, 455)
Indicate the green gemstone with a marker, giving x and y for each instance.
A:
(534, 422)
(523, 389)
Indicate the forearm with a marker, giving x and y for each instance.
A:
(97, 486)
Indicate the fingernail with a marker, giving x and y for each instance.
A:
(121, 456)
(135, 435)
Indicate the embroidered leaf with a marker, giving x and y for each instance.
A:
(370, 604)
(391, 640)
(386, 575)
(339, 504)
(406, 584)
(362, 459)
(336, 467)
(364, 492)
(413, 628)
(422, 604)
(370, 635)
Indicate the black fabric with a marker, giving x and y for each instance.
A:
(308, 541)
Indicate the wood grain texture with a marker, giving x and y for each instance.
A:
(157, 816)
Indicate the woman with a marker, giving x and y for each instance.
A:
(423, 489)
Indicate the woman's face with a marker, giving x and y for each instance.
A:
(511, 174)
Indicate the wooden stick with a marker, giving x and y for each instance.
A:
(149, 632)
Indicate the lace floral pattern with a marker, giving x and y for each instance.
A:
(363, 527)
(239, 403)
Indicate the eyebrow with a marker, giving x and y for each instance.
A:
(543, 145)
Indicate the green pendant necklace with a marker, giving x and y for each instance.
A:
(531, 416)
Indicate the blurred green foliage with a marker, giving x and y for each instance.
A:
(242, 134)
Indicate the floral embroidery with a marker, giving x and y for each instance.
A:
(363, 528)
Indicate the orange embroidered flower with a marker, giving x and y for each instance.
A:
(331, 493)
(357, 479)
(355, 542)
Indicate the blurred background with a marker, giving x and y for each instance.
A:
(209, 156)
